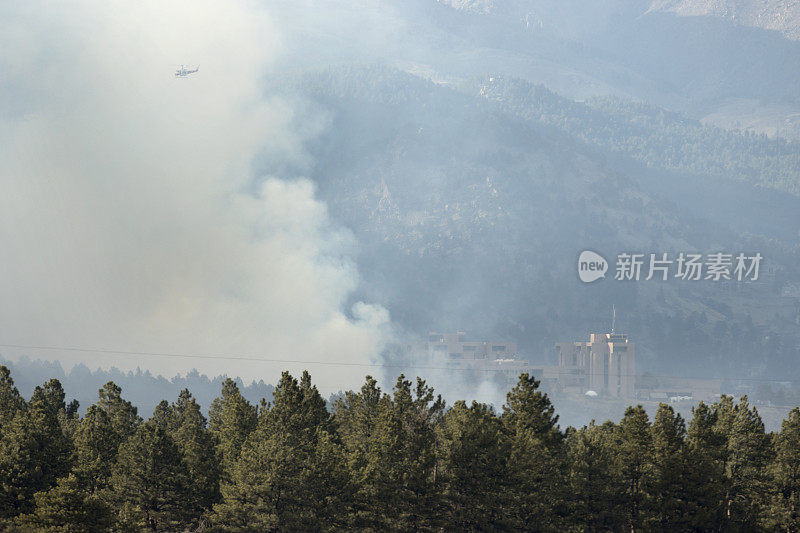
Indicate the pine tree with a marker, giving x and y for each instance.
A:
(290, 474)
(122, 414)
(149, 485)
(405, 492)
(473, 468)
(98, 437)
(67, 507)
(14, 446)
(634, 456)
(198, 451)
(358, 417)
(69, 419)
(705, 482)
(667, 486)
(231, 420)
(537, 468)
(163, 416)
(388, 462)
(96, 446)
(749, 454)
(34, 451)
(785, 512)
(46, 409)
(594, 479)
(20, 474)
(11, 402)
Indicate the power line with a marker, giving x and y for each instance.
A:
(345, 363)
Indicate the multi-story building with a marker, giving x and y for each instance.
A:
(456, 347)
(455, 351)
(606, 364)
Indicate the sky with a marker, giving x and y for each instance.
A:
(130, 215)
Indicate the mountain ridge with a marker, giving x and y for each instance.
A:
(782, 16)
(469, 216)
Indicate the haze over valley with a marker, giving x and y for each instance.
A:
(379, 169)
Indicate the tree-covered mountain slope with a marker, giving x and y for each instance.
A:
(471, 216)
(652, 135)
(776, 15)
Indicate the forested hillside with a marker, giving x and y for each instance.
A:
(769, 15)
(656, 137)
(641, 48)
(489, 199)
(398, 460)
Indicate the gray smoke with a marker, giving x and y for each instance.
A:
(130, 218)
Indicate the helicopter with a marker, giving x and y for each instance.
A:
(184, 72)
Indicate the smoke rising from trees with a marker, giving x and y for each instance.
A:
(130, 217)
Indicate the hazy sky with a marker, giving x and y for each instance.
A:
(127, 217)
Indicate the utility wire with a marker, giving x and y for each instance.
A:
(344, 363)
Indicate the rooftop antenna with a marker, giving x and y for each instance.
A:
(613, 318)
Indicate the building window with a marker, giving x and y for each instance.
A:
(498, 348)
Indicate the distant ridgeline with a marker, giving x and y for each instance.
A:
(655, 136)
(386, 461)
(650, 134)
(458, 185)
(142, 388)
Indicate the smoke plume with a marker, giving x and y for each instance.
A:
(130, 217)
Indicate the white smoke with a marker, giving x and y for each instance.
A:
(127, 217)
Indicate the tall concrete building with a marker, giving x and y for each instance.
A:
(606, 364)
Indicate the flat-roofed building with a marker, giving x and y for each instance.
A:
(483, 358)
(606, 364)
(456, 347)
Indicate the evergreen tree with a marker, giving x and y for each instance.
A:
(69, 419)
(20, 474)
(473, 468)
(358, 417)
(594, 480)
(407, 486)
(98, 437)
(634, 455)
(667, 486)
(231, 420)
(786, 475)
(47, 408)
(163, 416)
(11, 402)
(705, 482)
(388, 462)
(149, 486)
(537, 468)
(749, 454)
(67, 507)
(34, 450)
(14, 444)
(122, 414)
(391, 453)
(290, 474)
(96, 445)
(198, 451)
